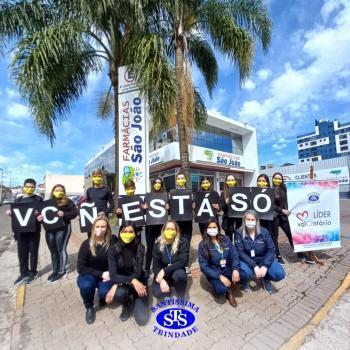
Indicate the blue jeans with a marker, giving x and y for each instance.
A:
(220, 288)
(88, 284)
(274, 273)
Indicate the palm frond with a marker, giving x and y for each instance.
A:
(105, 104)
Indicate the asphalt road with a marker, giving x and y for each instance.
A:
(5, 229)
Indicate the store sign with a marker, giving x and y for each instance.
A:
(171, 151)
(341, 174)
(133, 135)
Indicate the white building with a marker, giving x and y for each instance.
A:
(224, 147)
(74, 184)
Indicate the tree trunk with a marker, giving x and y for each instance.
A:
(179, 71)
(114, 79)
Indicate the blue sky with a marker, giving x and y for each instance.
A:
(304, 76)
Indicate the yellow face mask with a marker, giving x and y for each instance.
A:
(169, 234)
(130, 191)
(97, 180)
(58, 194)
(277, 182)
(28, 190)
(127, 237)
(262, 184)
(157, 186)
(231, 183)
(205, 185)
(181, 182)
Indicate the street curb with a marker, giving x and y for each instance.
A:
(20, 296)
(298, 338)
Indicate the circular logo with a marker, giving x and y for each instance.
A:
(175, 318)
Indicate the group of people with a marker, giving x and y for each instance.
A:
(119, 267)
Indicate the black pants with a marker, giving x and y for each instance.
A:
(126, 293)
(267, 224)
(230, 225)
(28, 247)
(186, 229)
(152, 233)
(57, 242)
(283, 223)
(178, 280)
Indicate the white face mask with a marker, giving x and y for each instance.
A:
(250, 224)
(212, 232)
(100, 232)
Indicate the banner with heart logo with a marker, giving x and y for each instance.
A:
(314, 221)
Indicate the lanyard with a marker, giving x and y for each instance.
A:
(221, 251)
(169, 255)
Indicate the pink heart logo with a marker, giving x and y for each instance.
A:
(303, 216)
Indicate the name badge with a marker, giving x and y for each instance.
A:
(252, 253)
(223, 262)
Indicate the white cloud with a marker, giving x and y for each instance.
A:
(11, 93)
(56, 164)
(3, 159)
(17, 111)
(263, 74)
(249, 85)
(292, 92)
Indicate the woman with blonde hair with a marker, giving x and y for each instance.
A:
(92, 265)
(57, 240)
(170, 257)
(257, 253)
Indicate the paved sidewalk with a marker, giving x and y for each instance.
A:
(53, 315)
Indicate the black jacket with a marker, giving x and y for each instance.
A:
(102, 197)
(69, 210)
(178, 261)
(93, 265)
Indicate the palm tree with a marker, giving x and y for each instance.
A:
(192, 28)
(58, 43)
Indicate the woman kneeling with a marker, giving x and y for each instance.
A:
(257, 252)
(219, 262)
(93, 266)
(125, 261)
(170, 257)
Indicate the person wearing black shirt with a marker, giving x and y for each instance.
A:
(153, 231)
(92, 265)
(125, 261)
(57, 240)
(206, 186)
(170, 257)
(28, 242)
(100, 195)
(263, 181)
(229, 224)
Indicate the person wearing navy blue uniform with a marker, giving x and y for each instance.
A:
(92, 265)
(170, 258)
(219, 262)
(257, 253)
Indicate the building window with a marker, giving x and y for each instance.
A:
(302, 160)
(344, 142)
(314, 158)
(343, 136)
(301, 145)
(313, 143)
(344, 148)
(306, 143)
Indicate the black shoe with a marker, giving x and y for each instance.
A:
(51, 276)
(266, 285)
(90, 315)
(280, 260)
(32, 277)
(57, 277)
(301, 256)
(124, 316)
(21, 279)
(309, 260)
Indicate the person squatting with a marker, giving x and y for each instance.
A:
(119, 267)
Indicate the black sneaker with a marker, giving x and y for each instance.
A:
(51, 276)
(309, 260)
(21, 279)
(301, 256)
(57, 278)
(266, 285)
(280, 260)
(32, 277)
(90, 315)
